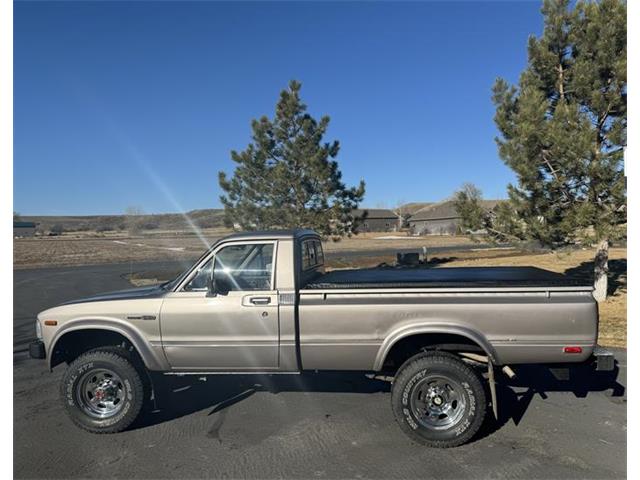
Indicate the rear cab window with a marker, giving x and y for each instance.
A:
(312, 254)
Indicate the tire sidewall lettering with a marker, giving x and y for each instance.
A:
(71, 398)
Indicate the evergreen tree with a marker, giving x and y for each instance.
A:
(467, 203)
(287, 178)
(501, 222)
(563, 129)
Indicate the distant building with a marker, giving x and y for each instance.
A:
(24, 229)
(376, 220)
(440, 218)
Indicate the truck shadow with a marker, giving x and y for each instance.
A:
(180, 396)
(515, 395)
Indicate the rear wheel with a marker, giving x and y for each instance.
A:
(438, 400)
(103, 391)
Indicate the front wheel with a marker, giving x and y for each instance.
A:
(438, 400)
(102, 391)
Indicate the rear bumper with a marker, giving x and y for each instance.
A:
(36, 350)
(603, 359)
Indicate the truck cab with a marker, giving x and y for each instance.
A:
(235, 309)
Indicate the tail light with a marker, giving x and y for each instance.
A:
(572, 349)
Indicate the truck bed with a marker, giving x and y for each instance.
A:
(453, 277)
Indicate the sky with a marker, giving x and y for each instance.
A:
(120, 104)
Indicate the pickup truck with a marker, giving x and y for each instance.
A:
(261, 303)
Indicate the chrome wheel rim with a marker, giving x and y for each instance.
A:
(438, 402)
(100, 393)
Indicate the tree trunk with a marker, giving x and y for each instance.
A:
(601, 271)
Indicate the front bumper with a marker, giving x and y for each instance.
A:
(36, 350)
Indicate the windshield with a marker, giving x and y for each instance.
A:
(171, 284)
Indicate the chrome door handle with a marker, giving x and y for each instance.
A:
(261, 300)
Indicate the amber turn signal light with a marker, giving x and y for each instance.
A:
(51, 323)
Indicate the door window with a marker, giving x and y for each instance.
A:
(244, 267)
(200, 281)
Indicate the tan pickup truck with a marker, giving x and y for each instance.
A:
(261, 303)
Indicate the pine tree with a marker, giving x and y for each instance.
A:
(563, 129)
(467, 204)
(287, 178)
(501, 223)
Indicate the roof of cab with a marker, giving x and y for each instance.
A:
(271, 234)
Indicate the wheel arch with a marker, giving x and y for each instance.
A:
(418, 337)
(82, 335)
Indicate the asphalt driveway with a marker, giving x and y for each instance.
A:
(306, 426)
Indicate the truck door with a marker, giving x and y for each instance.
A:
(237, 329)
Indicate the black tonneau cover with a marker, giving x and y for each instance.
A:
(457, 277)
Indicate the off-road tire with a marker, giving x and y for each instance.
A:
(412, 376)
(113, 359)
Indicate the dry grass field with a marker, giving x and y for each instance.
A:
(86, 248)
(89, 249)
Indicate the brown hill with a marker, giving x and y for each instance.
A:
(206, 218)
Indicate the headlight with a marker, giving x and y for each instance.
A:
(38, 330)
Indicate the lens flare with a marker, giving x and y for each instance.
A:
(135, 154)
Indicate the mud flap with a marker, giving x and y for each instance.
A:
(492, 388)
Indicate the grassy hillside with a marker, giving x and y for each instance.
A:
(204, 218)
(208, 218)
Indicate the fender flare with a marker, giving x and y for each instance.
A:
(153, 359)
(433, 328)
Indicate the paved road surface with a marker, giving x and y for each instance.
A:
(311, 426)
